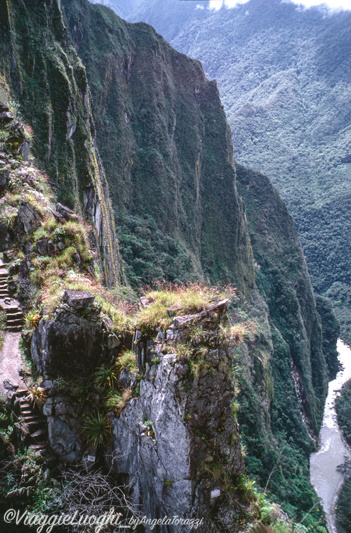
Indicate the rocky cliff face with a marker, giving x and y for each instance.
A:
(160, 127)
(50, 80)
(285, 371)
(178, 442)
(283, 280)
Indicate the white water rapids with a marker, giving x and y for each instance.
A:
(325, 478)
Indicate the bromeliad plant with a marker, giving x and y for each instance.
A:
(106, 376)
(37, 396)
(97, 429)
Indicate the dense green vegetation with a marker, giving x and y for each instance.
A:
(343, 410)
(343, 512)
(278, 441)
(49, 80)
(151, 256)
(284, 78)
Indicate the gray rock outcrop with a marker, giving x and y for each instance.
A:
(28, 218)
(180, 431)
(72, 344)
(63, 440)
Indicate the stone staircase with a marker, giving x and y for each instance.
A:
(3, 283)
(14, 315)
(34, 425)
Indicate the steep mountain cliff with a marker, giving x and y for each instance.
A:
(160, 128)
(284, 76)
(48, 76)
(119, 90)
(286, 365)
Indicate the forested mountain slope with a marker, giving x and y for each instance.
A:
(284, 76)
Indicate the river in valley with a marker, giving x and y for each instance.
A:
(325, 478)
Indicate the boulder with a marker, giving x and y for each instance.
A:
(6, 117)
(63, 440)
(28, 218)
(58, 216)
(42, 246)
(113, 342)
(9, 385)
(5, 238)
(78, 299)
(70, 346)
(66, 212)
(4, 177)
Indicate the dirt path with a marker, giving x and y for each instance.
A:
(10, 361)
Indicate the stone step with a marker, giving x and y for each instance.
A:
(32, 418)
(39, 433)
(14, 321)
(25, 406)
(14, 329)
(24, 398)
(39, 446)
(20, 393)
(14, 313)
(35, 424)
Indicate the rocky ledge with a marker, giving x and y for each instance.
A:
(178, 443)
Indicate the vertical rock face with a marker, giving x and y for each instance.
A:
(166, 147)
(50, 81)
(163, 139)
(283, 279)
(285, 380)
(160, 128)
(71, 344)
(178, 442)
